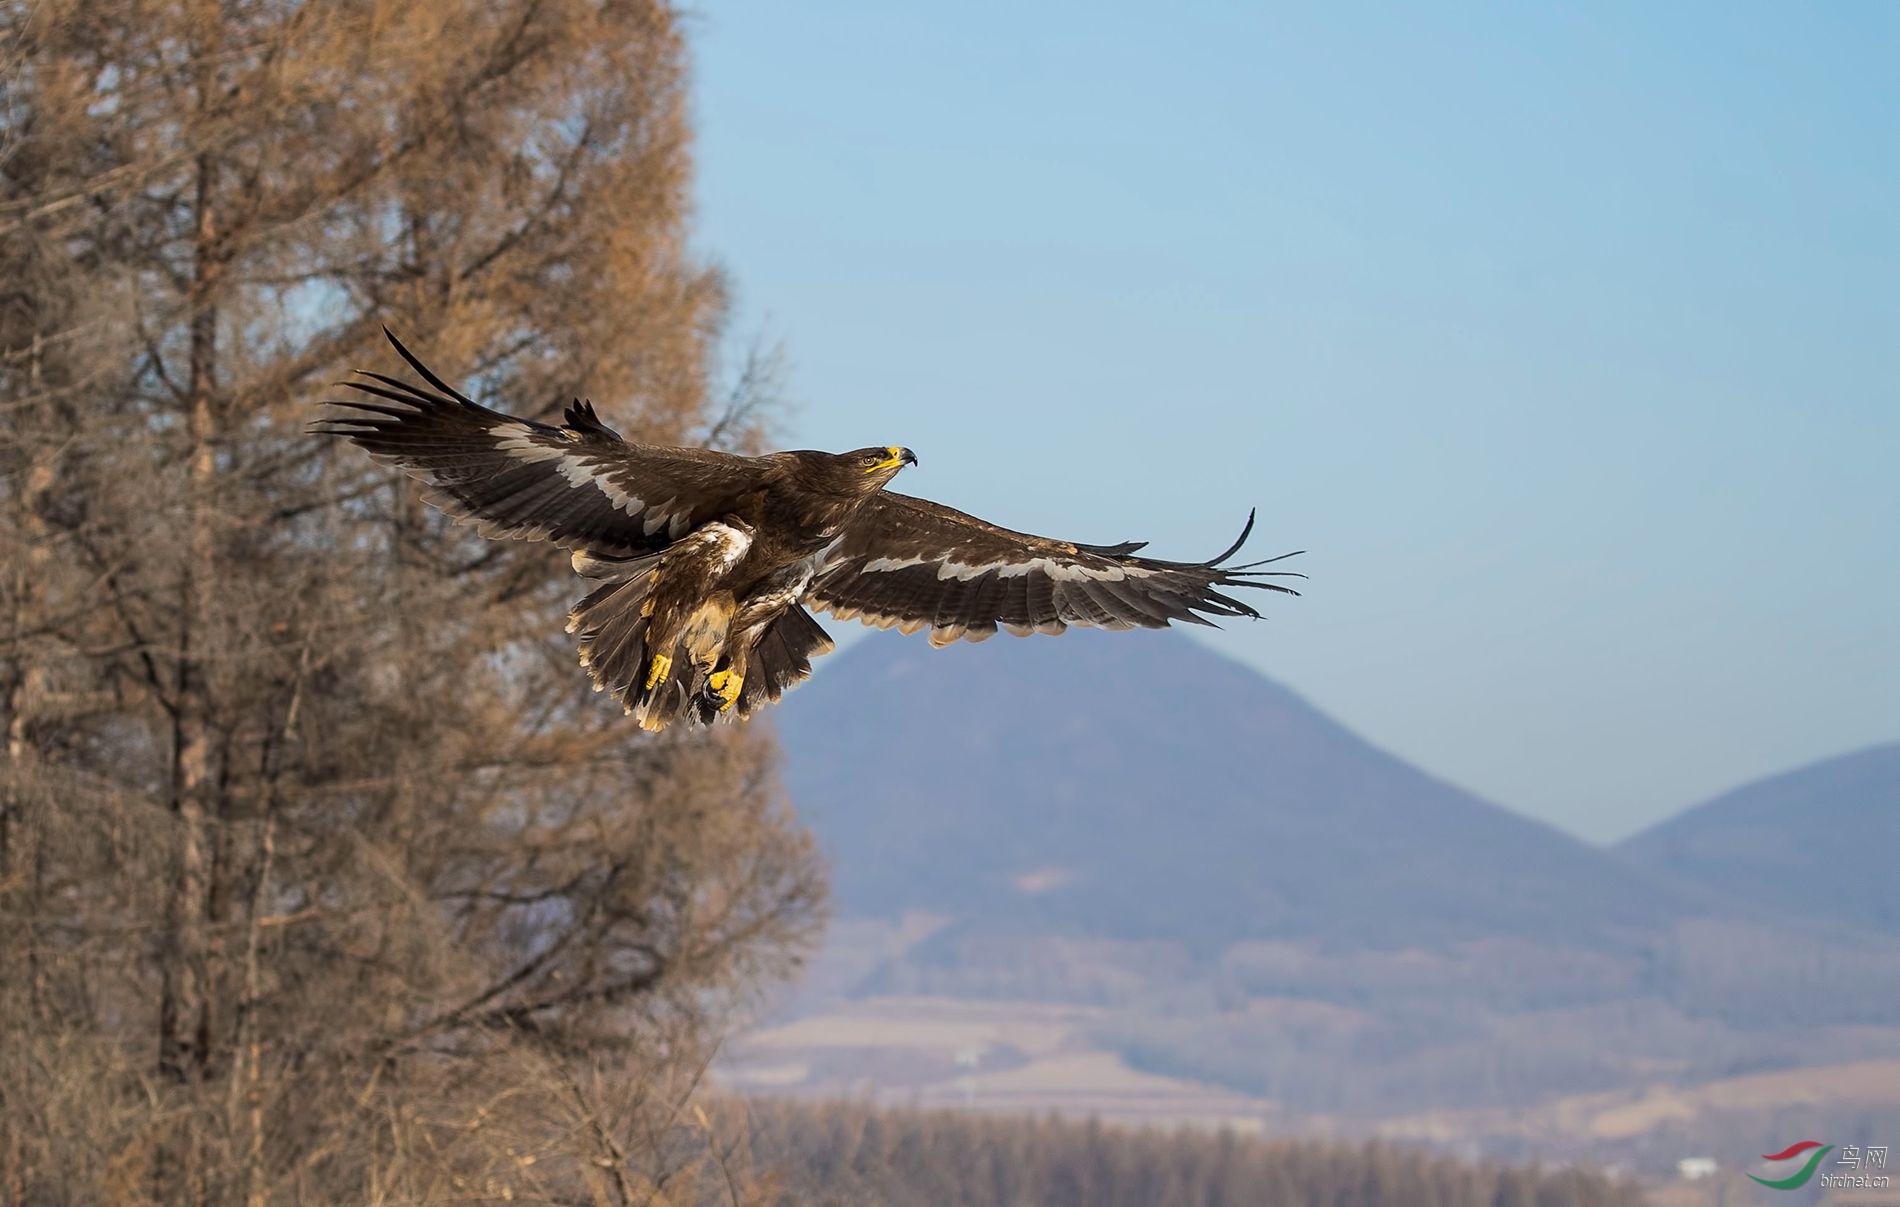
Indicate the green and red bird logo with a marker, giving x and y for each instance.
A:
(1800, 1177)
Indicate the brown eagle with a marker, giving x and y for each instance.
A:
(706, 561)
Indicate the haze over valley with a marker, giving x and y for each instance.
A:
(1121, 874)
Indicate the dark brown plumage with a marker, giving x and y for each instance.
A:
(705, 561)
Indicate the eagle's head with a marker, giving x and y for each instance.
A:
(866, 470)
(853, 475)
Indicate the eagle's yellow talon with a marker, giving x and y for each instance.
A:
(726, 686)
(662, 663)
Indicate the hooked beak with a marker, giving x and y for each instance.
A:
(896, 458)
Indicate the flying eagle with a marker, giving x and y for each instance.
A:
(705, 561)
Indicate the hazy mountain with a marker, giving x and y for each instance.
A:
(1141, 786)
(1823, 841)
(1124, 846)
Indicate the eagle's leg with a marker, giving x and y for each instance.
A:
(707, 631)
(687, 610)
(725, 686)
(748, 625)
(745, 625)
(658, 671)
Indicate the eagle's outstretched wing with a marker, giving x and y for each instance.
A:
(911, 564)
(579, 485)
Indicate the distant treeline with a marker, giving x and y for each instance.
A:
(846, 1154)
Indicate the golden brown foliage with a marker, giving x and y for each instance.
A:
(322, 876)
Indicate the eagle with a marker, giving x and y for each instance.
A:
(706, 565)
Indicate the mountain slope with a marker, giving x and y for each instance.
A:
(1139, 786)
(1822, 840)
(1214, 883)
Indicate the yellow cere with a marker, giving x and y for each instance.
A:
(893, 456)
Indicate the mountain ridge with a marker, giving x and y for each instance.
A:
(1145, 783)
(1211, 880)
(1820, 841)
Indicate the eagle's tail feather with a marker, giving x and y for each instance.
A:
(612, 623)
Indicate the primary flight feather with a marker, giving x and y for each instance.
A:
(705, 562)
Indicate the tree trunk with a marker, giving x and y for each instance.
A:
(21, 866)
(184, 1007)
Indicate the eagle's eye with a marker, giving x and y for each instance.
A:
(869, 459)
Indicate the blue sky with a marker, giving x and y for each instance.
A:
(1564, 337)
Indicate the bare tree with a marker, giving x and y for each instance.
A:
(322, 876)
(849, 1154)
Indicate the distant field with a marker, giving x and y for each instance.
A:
(1031, 1057)
(1629, 1114)
(991, 1056)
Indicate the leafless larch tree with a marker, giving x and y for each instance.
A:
(323, 876)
